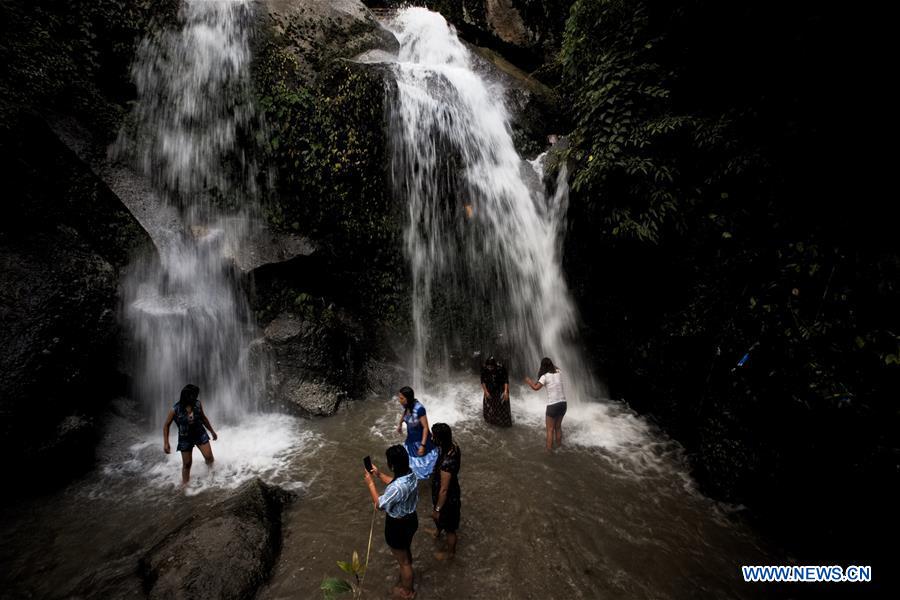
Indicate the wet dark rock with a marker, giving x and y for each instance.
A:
(527, 32)
(158, 217)
(63, 243)
(383, 379)
(226, 552)
(317, 32)
(534, 108)
(312, 360)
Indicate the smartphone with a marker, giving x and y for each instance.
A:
(367, 463)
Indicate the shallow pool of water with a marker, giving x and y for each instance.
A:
(611, 515)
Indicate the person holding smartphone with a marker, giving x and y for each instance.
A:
(399, 500)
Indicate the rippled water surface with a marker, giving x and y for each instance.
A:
(611, 515)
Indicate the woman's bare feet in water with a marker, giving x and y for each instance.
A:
(402, 593)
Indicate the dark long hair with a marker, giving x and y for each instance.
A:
(410, 396)
(189, 395)
(397, 459)
(547, 366)
(442, 436)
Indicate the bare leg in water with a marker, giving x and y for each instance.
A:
(186, 460)
(551, 426)
(206, 451)
(404, 561)
(557, 430)
(450, 552)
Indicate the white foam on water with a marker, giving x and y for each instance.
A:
(262, 445)
(609, 428)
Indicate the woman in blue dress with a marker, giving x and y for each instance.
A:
(423, 453)
(192, 424)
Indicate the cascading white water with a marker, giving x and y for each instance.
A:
(188, 317)
(478, 234)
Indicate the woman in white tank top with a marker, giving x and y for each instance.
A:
(550, 378)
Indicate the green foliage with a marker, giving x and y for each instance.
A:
(327, 146)
(703, 181)
(633, 144)
(72, 57)
(332, 586)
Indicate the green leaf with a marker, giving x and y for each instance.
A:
(333, 585)
(345, 567)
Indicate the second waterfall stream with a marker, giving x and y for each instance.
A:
(483, 238)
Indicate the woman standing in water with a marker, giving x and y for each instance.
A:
(495, 385)
(550, 377)
(399, 500)
(445, 493)
(422, 452)
(190, 419)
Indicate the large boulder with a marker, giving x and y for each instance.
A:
(226, 552)
(315, 33)
(328, 147)
(527, 32)
(534, 107)
(64, 241)
(315, 358)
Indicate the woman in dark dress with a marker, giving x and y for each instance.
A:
(445, 492)
(495, 385)
(192, 427)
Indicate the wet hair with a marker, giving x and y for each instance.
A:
(189, 395)
(547, 366)
(442, 436)
(490, 362)
(410, 396)
(397, 459)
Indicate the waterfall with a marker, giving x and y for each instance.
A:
(186, 313)
(483, 238)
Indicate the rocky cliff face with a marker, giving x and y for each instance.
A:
(329, 270)
(327, 314)
(63, 244)
(527, 32)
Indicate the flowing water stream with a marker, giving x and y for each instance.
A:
(482, 238)
(612, 515)
(186, 312)
(188, 317)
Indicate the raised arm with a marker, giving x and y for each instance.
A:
(535, 385)
(371, 485)
(385, 479)
(166, 448)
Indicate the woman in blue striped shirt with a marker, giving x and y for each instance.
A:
(399, 500)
